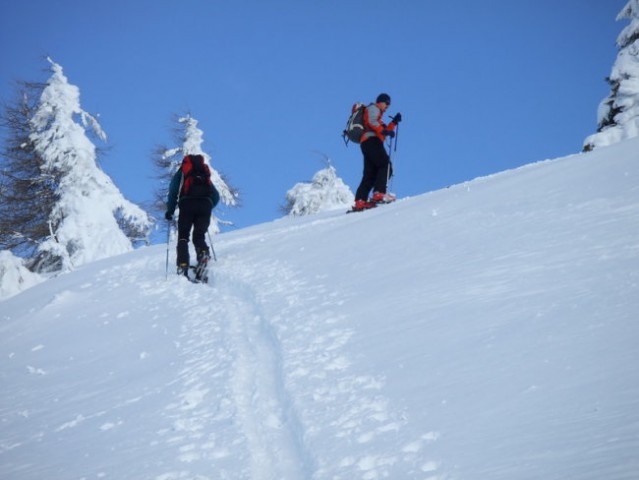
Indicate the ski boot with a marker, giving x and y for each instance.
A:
(183, 269)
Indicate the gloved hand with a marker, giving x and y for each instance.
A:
(388, 133)
(168, 216)
(397, 118)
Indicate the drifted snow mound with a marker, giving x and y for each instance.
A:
(14, 276)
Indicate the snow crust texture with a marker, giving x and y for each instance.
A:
(487, 330)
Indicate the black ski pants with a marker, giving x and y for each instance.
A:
(377, 168)
(194, 213)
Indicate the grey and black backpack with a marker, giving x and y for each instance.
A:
(355, 126)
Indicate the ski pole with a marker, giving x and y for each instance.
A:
(212, 249)
(168, 237)
(388, 169)
(390, 162)
(391, 149)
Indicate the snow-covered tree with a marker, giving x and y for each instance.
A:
(190, 137)
(618, 114)
(26, 196)
(89, 219)
(325, 192)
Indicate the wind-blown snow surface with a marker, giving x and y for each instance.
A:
(485, 331)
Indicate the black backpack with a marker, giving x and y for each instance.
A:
(355, 126)
(196, 177)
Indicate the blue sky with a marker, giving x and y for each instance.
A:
(482, 86)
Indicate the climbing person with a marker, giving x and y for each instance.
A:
(377, 165)
(193, 191)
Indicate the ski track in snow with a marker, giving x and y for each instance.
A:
(295, 405)
(260, 385)
(229, 341)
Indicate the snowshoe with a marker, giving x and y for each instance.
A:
(202, 268)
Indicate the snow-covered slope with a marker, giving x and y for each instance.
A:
(484, 331)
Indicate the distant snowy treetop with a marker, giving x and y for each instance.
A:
(325, 192)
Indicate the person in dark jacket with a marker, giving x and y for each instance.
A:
(377, 165)
(192, 190)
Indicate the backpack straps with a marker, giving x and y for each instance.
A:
(187, 158)
(181, 183)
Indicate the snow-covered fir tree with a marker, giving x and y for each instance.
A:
(325, 192)
(167, 160)
(26, 196)
(618, 114)
(90, 219)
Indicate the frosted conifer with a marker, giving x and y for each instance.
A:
(90, 219)
(618, 114)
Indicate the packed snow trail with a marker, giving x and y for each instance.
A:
(231, 377)
(263, 409)
(268, 380)
(247, 377)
